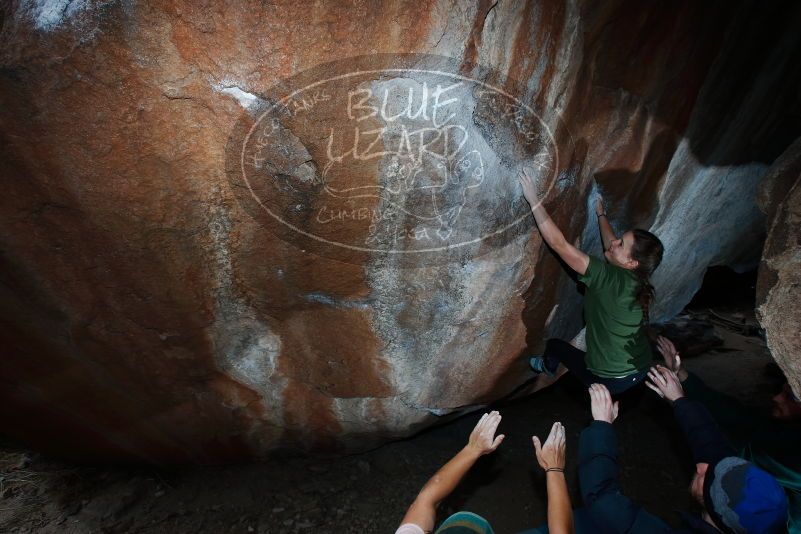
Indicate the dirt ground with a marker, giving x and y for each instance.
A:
(369, 493)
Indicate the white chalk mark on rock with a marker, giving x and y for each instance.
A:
(50, 14)
(244, 98)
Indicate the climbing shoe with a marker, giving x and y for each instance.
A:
(539, 365)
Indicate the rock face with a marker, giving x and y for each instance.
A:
(201, 262)
(779, 282)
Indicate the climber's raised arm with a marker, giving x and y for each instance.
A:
(576, 259)
(607, 234)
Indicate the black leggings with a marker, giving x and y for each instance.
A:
(558, 351)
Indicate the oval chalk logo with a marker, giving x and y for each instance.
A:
(396, 155)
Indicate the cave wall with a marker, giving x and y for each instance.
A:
(147, 312)
(779, 280)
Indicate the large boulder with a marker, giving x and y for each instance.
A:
(198, 265)
(779, 282)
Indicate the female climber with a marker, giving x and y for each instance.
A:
(616, 301)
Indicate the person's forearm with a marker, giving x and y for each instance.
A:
(607, 234)
(551, 233)
(423, 510)
(449, 475)
(560, 517)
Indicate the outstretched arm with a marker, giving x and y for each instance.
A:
(736, 419)
(702, 433)
(607, 234)
(423, 511)
(551, 234)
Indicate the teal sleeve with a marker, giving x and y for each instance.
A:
(794, 523)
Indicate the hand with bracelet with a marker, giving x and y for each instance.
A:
(551, 457)
(599, 207)
(608, 237)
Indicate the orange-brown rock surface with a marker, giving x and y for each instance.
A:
(200, 261)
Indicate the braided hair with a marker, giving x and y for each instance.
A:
(647, 251)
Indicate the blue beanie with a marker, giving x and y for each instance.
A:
(743, 499)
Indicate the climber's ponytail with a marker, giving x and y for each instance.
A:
(647, 251)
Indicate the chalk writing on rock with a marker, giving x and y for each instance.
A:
(390, 155)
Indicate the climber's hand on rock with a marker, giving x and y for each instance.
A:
(671, 356)
(665, 383)
(599, 206)
(603, 409)
(483, 439)
(530, 189)
(552, 453)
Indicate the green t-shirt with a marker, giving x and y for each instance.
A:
(616, 342)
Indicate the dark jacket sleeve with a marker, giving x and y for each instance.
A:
(702, 433)
(737, 420)
(609, 509)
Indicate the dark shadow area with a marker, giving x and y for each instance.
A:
(751, 110)
(629, 196)
(725, 288)
(733, 85)
(370, 492)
